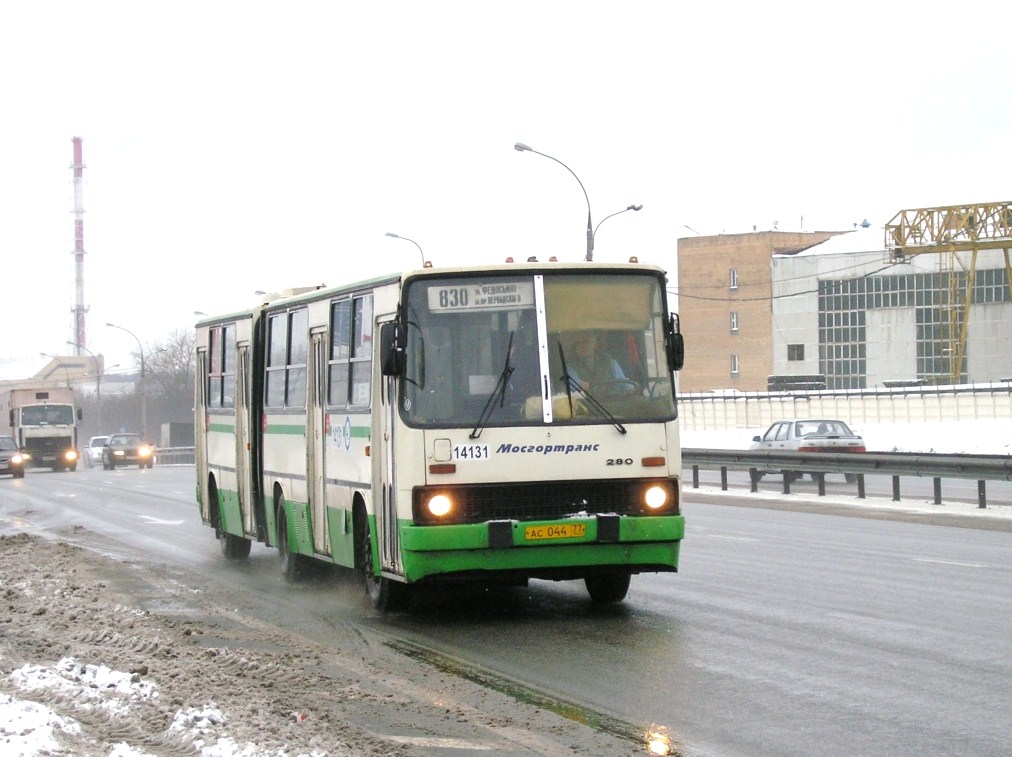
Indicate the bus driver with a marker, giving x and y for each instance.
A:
(590, 366)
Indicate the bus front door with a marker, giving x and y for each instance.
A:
(385, 495)
(316, 433)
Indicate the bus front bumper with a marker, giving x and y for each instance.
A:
(569, 548)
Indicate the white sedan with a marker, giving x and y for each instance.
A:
(810, 435)
(93, 452)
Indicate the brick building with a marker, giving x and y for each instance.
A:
(725, 291)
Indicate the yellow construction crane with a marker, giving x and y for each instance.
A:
(951, 230)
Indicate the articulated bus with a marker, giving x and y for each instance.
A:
(440, 425)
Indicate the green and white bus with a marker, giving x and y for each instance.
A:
(434, 426)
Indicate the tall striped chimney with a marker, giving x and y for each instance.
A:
(80, 336)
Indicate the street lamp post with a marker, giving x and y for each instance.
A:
(634, 208)
(142, 387)
(398, 236)
(521, 147)
(98, 383)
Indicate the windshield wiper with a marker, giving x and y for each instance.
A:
(499, 391)
(571, 383)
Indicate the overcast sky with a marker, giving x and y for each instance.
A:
(242, 146)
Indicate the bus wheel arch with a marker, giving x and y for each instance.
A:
(212, 504)
(234, 548)
(293, 565)
(384, 593)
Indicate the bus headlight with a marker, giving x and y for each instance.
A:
(70, 455)
(655, 497)
(440, 505)
(17, 458)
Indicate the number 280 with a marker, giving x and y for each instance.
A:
(619, 461)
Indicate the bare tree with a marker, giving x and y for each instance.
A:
(168, 389)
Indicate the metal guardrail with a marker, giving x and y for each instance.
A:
(175, 456)
(792, 465)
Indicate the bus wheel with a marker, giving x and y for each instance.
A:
(608, 588)
(385, 595)
(293, 565)
(235, 547)
(232, 547)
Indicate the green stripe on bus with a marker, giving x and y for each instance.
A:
(293, 429)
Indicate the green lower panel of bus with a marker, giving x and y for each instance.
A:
(231, 514)
(641, 542)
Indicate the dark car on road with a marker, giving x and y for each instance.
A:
(12, 462)
(127, 449)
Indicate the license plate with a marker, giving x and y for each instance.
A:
(565, 531)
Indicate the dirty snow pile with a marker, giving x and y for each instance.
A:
(84, 671)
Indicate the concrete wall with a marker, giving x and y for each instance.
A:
(719, 412)
(989, 344)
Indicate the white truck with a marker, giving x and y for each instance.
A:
(43, 422)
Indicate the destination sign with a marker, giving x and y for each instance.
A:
(503, 295)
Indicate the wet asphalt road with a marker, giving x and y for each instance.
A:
(785, 632)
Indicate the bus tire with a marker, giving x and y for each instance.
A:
(384, 594)
(293, 565)
(235, 548)
(608, 588)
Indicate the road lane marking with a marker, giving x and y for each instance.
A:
(160, 521)
(732, 538)
(949, 562)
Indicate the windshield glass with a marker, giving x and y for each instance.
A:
(124, 440)
(7, 444)
(527, 350)
(53, 415)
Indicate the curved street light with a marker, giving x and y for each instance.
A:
(398, 236)
(142, 387)
(634, 208)
(521, 147)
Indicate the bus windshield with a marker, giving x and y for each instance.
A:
(524, 349)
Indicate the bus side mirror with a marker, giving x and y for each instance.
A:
(11, 422)
(675, 344)
(80, 414)
(393, 359)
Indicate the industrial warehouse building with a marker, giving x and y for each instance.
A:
(842, 310)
